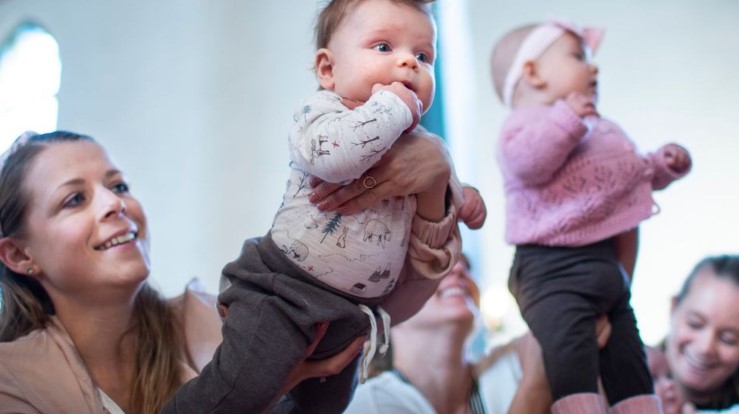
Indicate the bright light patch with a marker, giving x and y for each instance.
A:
(30, 74)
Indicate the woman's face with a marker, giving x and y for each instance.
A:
(456, 300)
(703, 344)
(85, 233)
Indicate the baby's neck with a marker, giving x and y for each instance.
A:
(532, 99)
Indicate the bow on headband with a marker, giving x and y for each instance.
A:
(538, 41)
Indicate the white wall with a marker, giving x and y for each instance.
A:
(193, 99)
(667, 73)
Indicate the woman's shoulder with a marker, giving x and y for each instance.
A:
(201, 323)
(388, 393)
(27, 348)
(43, 369)
(195, 296)
(498, 374)
(504, 353)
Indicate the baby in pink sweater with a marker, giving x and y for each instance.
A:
(576, 191)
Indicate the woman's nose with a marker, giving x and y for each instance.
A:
(705, 344)
(113, 205)
(459, 271)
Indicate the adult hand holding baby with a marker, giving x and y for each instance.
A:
(412, 165)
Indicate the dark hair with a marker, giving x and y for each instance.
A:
(26, 306)
(724, 267)
(331, 16)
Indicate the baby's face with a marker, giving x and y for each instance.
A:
(566, 67)
(381, 42)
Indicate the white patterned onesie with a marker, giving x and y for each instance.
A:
(361, 254)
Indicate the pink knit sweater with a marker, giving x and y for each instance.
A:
(570, 185)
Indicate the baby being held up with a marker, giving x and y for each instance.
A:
(576, 190)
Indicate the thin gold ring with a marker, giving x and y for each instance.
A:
(369, 182)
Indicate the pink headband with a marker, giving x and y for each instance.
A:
(538, 41)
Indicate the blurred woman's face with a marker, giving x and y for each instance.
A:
(703, 344)
(456, 300)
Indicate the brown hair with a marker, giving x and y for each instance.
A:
(503, 54)
(331, 16)
(26, 306)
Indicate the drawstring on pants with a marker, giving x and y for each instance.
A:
(367, 358)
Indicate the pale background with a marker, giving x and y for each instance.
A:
(193, 99)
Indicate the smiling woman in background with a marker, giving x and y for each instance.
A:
(431, 374)
(702, 347)
(696, 368)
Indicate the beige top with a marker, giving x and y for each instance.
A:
(43, 373)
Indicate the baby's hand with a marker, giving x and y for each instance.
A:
(583, 105)
(673, 402)
(677, 158)
(408, 96)
(473, 211)
(351, 103)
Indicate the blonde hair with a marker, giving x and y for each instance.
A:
(26, 306)
(503, 54)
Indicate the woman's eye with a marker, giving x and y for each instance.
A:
(383, 47)
(74, 200)
(695, 324)
(121, 188)
(729, 339)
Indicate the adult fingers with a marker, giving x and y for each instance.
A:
(321, 329)
(602, 330)
(322, 190)
(355, 196)
(334, 364)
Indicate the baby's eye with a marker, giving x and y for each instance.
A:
(422, 57)
(579, 56)
(383, 47)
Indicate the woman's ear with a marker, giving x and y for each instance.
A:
(531, 75)
(325, 68)
(14, 256)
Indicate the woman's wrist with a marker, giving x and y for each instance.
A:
(432, 204)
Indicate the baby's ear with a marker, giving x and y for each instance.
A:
(325, 68)
(531, 74)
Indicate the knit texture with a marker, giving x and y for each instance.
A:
(570, 182)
